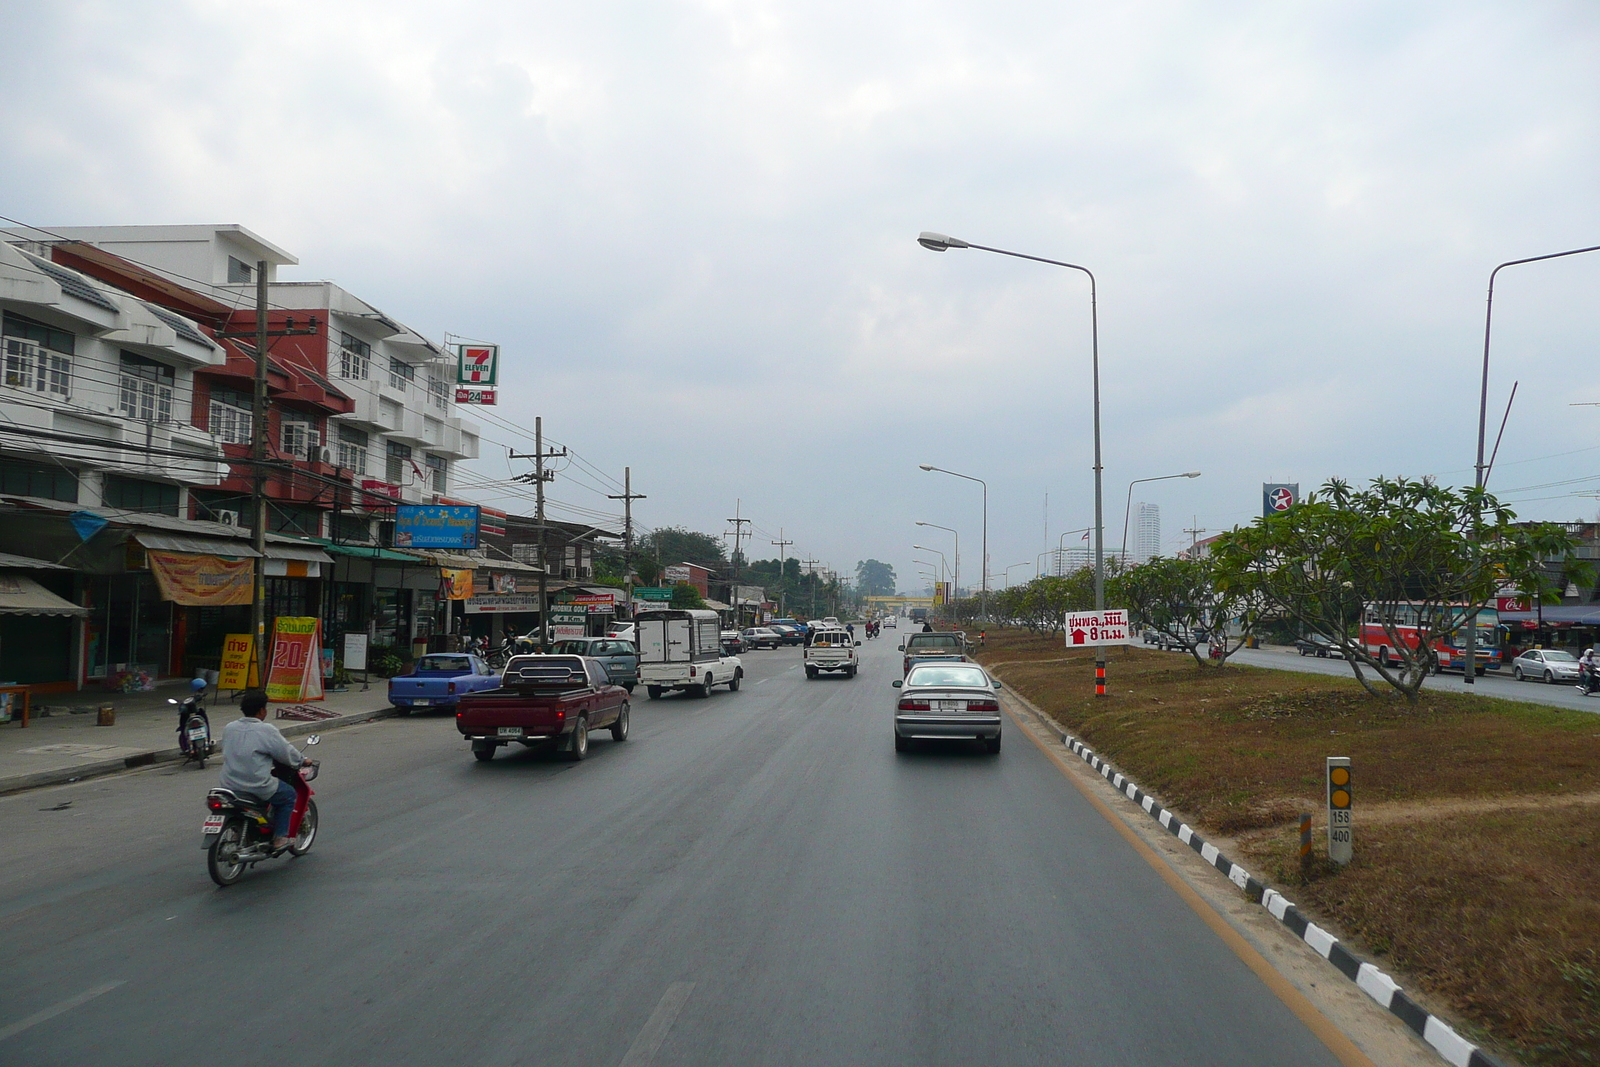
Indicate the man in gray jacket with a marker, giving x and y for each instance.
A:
(249, 748)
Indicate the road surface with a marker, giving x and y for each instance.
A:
(756, 878)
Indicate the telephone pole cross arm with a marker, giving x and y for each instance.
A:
(538, 478)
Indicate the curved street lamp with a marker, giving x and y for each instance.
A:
(1128, 510)
(983, 596)
(939, 242)
(957, 536)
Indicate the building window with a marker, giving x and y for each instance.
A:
(298, 435)
(239, 272)
(137, 495)
(352, 529)
(399, 458)
(400, 372)
(37, 479)
(433, 430)
(230, 416)
(146, 389)
(288, 519)
(40, 334)
(391, 414)
(355, 357)
(438, 469)
(36, 369)
(439, 391)
(353, 449)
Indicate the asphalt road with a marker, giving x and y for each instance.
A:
(756, 878)
(1499, 684)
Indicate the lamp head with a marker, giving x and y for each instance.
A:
(939, 242)
(926, 466)
(1192, 474)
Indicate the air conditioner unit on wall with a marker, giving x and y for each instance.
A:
(228, 518)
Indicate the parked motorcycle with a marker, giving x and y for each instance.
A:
(194, 725)
(237, 832)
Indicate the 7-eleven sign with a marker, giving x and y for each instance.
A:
(477, 364)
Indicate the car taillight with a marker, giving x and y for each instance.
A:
(913, 705)
(982, 705)
(452, 688)
(905, 665)
(691, 670)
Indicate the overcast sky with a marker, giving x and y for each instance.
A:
(692, 226)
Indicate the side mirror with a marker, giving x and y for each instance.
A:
(858, 644)
(901, 648)
(314, 739)
(997, 684)
(897, 685)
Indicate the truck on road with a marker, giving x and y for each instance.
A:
(832, 649)
(941, 646)
(681, 649)
(544, 700)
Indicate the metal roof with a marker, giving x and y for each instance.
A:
(74, 284)
(26, 563)
(21, 595)
(181, 326)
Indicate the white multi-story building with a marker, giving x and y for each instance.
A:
(98, 392)
(1146, 532)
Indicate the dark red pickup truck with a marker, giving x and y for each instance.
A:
(544, 700)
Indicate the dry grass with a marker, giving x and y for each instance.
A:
(1476, 869)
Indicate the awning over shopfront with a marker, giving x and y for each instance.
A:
(1555, 615)
(196, 546)
(476, 561)
(21, 595)
(25, 563)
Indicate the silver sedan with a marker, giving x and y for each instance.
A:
(1545, 664)
(947, 700)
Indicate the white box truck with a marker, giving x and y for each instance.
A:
(682, 649)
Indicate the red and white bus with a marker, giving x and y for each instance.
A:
(1451, 650)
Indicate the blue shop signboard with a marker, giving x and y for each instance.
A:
(435, 526)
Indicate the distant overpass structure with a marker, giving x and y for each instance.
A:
(895, 603)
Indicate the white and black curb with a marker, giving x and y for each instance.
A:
(1373, 982)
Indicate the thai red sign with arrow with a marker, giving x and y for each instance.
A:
(1086, 629)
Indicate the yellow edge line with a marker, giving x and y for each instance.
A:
(1347, 1052)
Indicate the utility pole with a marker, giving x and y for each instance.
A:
(783, 597)
(627, 496)
(738, 531)
(810, 565)
(539, 477)
(258, 461)
(1194, 533)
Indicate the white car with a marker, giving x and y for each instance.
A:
(1545, 664)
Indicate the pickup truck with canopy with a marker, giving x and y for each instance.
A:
(545, 700)
(439, 680)
(681, 649)
(947, 646)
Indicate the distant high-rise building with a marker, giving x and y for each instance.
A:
(1146, 532)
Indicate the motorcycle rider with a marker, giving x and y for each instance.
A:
(1586, 667)
(250, 747)
(197, 686)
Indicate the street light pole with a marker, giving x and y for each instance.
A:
(983, 595)
(1128, 510)
(948, 530)
(939, 242)
(1061, 547)
(1011, 568)
(1469, 668)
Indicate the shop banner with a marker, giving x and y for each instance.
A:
(599, 603)
(488, 604)
(564, 624)
(236, 672)
(504, 583)
(296, 673)
(446, 526)
(455, 584)
(355, 652)
(202, 581)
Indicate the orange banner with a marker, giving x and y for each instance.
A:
(296, 672)
(202, 581)
(455, 584)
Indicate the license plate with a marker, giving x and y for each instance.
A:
(213, 824)
(197, 733)
(421, 702)
(949, 705)
(510, 731)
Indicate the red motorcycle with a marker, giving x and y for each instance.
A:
(237, 834)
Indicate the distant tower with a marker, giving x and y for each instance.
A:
(1146, 532)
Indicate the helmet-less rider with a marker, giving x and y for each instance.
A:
(250, 747)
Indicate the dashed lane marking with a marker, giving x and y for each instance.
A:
(643, 1050)
(58, 1009)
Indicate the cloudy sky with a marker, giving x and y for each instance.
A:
(692, 227)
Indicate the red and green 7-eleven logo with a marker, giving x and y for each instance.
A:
(478, 364)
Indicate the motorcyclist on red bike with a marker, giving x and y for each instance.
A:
(250, 747)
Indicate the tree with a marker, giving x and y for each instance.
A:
(1400, 553)
(1178, 597)
(686, 596)
(874, 578)
(674, 544)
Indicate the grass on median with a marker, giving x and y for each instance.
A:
(1477, 849)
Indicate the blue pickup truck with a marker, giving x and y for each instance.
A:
(439, 679)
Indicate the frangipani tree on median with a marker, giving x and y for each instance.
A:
(1176, 597)
(1400, 553)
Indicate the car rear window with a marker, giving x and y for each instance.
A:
(444, 663)
(963, 676)
(831, 637)
(571, 647)
(949, 641)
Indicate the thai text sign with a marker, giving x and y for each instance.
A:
(355, 652)
(470, 395)
(678, 572)
(436, 526)
(1089, 628)
(489, 604)
(478, 364)
(595, 602)
(202, 581)
(236, 672)
(373, 487)
(296, 671)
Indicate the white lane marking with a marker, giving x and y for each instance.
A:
(764, 681)
(56, 1009)
(643, 1050)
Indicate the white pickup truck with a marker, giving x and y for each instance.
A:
(832, 650)
(682, 649)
